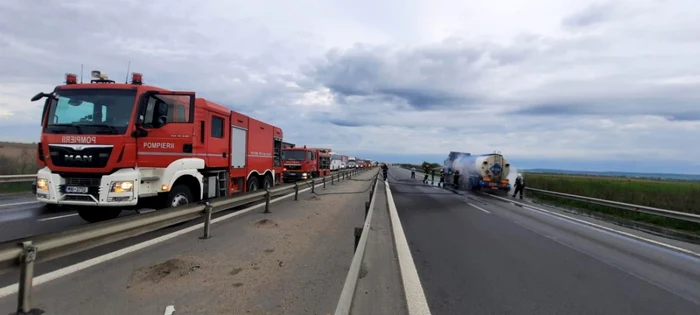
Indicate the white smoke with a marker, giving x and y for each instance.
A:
(511, 177)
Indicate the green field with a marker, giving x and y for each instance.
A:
(671, 195)
(17, 159)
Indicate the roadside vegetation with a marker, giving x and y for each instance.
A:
(671, 195)
(17, 159)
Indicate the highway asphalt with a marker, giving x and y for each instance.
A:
(480, 255)
(291, 261)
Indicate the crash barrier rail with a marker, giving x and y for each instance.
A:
(361, 236)
(17, 178)
(621, 205)
(25, 252)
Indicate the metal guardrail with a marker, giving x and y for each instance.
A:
(17, 178)
(684, 216)
(25, 252)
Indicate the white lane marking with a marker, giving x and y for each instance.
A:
(17, 204)
(480, 208)
(413, 290)
(603, 228)
(11, 289)
(58, 217)
(169, 310)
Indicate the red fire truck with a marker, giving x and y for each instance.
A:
(304, 163)
(108, 146)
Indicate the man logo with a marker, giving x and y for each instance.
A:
(77, 158)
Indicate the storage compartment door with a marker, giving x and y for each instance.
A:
(239, 146)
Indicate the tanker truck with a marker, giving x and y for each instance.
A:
(485, 172)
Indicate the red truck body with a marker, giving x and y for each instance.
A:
(106, 146)
(305, 163)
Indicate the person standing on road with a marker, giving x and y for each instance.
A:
(442, 178)
(413, 172)
(385, 170)
(519, 185)
(432, 176)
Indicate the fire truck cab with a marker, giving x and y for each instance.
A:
(108, 146)
(305, 163)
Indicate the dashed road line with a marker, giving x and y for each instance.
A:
(17, 204)
(58, 217)
(480, 208)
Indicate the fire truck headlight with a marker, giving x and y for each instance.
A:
(121, 187)
(42, 184)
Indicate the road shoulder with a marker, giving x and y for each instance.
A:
(290, 261)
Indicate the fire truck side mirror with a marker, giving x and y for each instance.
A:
(39, 96)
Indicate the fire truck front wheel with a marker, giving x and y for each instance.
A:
(97, 214)
(178, 196)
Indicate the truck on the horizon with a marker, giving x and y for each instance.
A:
(485, 172)
(352, 163)
(108, 146)
(305, 163)
(336, 161)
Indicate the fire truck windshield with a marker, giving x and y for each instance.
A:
(90, 111)
(298, 155)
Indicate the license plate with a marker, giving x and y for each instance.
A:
(76, 190)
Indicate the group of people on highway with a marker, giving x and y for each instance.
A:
(518, 187)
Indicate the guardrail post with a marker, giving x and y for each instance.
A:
(26, 277)
(207, 220)
(358, 233)
(324, 182)
(267, 201)
(332, 179)
(296, 191)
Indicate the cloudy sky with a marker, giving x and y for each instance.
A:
(592, 85)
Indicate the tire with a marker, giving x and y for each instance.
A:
(252, 184)
(180, 195)
(267, 182)
(96, 214)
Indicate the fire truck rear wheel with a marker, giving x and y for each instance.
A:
(96, 214)
(178, 196)
(267, 183)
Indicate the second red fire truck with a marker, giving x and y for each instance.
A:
(304, 163)
(107, 146)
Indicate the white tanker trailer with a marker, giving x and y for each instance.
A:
(485, 172)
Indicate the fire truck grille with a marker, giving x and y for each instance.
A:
(75, 181)
(293, 167)
(95, 157)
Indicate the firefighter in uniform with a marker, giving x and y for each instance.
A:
(442, 178)
(426, 171)
(385, 169)
(519, 185)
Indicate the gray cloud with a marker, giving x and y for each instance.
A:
(514, 83)
(593, 14)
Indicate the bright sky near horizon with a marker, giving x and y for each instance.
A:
(588, 84)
